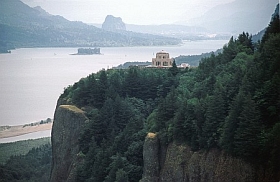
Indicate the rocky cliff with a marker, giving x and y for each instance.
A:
(67, 125)
(178, 163)
(113, 24)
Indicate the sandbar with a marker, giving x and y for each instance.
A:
(12, 131)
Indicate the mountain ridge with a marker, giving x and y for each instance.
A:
(23, 26)
(227, 17)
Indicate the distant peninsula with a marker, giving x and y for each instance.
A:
(87, 51)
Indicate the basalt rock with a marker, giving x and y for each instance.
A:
(114, 24)
(67, 125)
(181, 164)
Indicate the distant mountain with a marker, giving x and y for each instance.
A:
(276, 12)
(174, 30)
(171, 30)
(23, 26)
(257, 37)
(238, 16)
(112, 23)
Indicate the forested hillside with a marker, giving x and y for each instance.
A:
(34, 166)
(20, 147)
(23, 26)
(231, 102)
(117, 103)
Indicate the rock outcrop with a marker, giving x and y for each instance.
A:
(180, 164)
(67, 125)
(113, 24)
(151, 156)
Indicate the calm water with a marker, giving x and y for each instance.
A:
(34, 135)
(31, 79)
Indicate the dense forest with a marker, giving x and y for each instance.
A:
(231, 101)
(33, 166)
(20, 147)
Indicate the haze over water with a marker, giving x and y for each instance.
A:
(32, 79)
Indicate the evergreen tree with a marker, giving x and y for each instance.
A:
(245, 43)
(183, 123)
(132, 83)
(268, 94)
(232, 123)
(229, 51)
(121, 176)
(114, 167)
(272, 29)
(92, 90)
(246, 139)
(174, 69)
(102, 89)
(214, 117)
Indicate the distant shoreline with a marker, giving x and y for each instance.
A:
(12, 131)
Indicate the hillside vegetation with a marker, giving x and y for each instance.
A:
(23, 26)
(231, 102)
(20, 147)
(33, 166)
(27, 160)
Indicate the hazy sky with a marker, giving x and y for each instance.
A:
(131, 11)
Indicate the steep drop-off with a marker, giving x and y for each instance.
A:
(67, 125)
(178, 163)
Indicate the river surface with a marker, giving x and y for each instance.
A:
(31, 79)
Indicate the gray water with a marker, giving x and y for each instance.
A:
(38, 134)
(31, 79)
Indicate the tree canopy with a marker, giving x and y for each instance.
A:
(231, 101)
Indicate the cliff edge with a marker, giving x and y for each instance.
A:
(67, 125)
(180, 164)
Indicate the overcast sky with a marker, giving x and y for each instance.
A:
(141, 12)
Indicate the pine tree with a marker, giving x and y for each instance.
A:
(214, 116)
(245, 43)
(232, 123)
(174, 69)
(121, 176)
(246, 139)
(102, 89)
(273, 28)
(183, 123)
(93, 90)
(114, 167)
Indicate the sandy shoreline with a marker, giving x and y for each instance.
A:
(13, 131)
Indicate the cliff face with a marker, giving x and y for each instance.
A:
(178, 163)
(67, 125)
(113, 24)
(151, 158)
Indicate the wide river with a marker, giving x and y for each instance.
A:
(31, 79)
